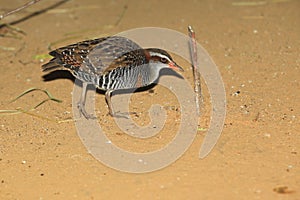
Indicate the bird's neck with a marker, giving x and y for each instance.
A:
(154, 70)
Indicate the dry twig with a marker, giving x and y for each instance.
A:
(19, 8)
(196, 73)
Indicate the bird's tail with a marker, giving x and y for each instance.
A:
(52, 65)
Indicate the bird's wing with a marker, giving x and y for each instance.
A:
(71, 57)
(95, 56)
(113, 52)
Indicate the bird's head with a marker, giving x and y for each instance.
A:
(161, 59)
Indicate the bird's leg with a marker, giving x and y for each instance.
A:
(108, 94)
(81, 103)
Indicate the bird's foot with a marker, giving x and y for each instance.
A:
(81, 108)
(122, 115)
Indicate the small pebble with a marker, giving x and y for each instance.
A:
(268, 135)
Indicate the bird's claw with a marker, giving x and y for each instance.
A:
(122, 115)
(81, 108)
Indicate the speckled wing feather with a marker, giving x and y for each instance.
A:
(72, 56)
(114, 52)
(96, 56)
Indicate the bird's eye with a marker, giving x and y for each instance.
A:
(163, 60)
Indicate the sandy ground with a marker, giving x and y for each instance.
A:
(256, 48)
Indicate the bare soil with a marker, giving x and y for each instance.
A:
(256, 46)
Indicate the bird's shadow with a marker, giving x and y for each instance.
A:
(64, 74)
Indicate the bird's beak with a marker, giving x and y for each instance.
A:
(174, 66)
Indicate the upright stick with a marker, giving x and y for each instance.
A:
(196, 73)
(19, 8)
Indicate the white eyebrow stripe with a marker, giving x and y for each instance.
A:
(160, 55)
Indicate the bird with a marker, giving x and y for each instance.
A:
(110, 63)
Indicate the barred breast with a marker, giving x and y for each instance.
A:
(125, 78)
